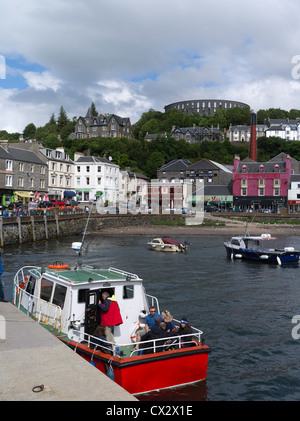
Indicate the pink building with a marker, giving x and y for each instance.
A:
(261, 186)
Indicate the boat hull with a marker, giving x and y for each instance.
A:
(145, 373)
(263, 256)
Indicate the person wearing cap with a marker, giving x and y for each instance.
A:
(185, 329)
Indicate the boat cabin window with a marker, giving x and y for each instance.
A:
(128, 291)
(235, 242)
(30, 285)
(46, 289)
(82, 295)
(59, 295)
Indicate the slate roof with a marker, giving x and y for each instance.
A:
(222, 190)
(253, 167)
(176, 165)
(94, 159)
(205, 164)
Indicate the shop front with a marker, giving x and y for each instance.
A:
(250, 204)
(84, 195)
(294, 206)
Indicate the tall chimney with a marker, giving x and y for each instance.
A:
(253, 148)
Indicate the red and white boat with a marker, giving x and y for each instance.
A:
(168, 244)
(65, 301)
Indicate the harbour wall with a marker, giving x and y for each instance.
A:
(26, 229)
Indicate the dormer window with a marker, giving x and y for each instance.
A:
(261, 169)
(276, 168)
(244, 169)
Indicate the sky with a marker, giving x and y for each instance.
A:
(128, 56)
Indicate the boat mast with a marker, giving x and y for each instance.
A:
(78, 261)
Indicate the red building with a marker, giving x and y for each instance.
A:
(260, 186)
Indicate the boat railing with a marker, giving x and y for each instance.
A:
(153, 301)
(124, 273)
(169, 342)
(41, 310)
(166, 343)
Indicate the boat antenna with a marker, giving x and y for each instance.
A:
(80, 252)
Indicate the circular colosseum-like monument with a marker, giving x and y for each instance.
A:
(204, 106)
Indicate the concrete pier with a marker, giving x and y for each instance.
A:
(35, 366)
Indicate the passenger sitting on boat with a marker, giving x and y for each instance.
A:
(100, 343)
(168, 319)
(157, 331)
(185, 329)
(150, 319)
(110, 315)
(149, 323)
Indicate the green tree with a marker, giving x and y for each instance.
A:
(93, 109)
(29, 131)
(62, 119)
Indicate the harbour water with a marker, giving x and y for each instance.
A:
(245, 309)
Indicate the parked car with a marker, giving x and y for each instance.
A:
(32, 206)
(46, 204)
(211, 208)
(17, 204)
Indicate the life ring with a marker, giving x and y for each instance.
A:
(133, 335)
(23, 283)
(59, 266)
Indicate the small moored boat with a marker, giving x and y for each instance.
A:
(167, 244)
(261, 249)
(65, 301)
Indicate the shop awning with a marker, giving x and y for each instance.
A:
(23, 193)
(68, 193)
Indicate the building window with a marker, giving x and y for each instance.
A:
(20, 181)
(87, 180)
(244, 192)
(99, 168)
(261, 191)
(78, 169)
(244, 182)
(9, 165)
(8, 180)
(42, 183)
(244, 170)
(261, 169)
(87, 168)
(99, 180)
(276, 168)
(32, 182)
(21, 166)
(276, 191)
(261, 182)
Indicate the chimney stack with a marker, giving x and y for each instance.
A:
(253, 148)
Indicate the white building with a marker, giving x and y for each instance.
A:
(96, 177)
(285, 131)
(133, 189)
(294, 194)
(60, 172)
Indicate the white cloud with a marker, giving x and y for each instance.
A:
(42, 81)
(103, 52)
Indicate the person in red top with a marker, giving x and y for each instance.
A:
(110, 315)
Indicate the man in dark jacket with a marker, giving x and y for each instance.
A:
(156, 332)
